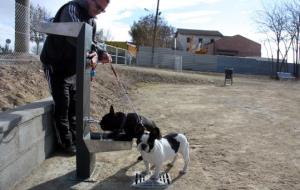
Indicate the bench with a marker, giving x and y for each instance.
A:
(285, 76)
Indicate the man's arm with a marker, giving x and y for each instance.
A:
(70, 13)
(102, 54)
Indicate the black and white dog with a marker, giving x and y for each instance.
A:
(156, 149)
(132, 124)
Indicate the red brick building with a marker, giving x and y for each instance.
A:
(234, 46)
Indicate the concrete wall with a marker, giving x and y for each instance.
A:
(26, 140)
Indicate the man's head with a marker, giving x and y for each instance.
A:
(96, 7)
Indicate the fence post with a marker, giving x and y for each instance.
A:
(116, 55)
(22, 26)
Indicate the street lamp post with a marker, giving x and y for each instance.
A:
(154, 33)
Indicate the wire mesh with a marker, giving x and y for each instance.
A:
(20, 42)
(15, 44)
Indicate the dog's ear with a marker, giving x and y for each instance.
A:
(112, 111)
(156, 133)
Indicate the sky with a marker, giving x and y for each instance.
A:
(230, 17)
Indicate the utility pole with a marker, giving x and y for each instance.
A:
(154, 33)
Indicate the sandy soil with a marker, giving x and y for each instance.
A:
(21, 83)
(244, 136)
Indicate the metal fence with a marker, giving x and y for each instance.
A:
(15, 31)
(160, 60)
(120, 56)
(164, 57)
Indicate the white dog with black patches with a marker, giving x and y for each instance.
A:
(156, 150)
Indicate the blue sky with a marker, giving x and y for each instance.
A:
(230, 17)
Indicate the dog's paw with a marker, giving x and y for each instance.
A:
(182, 172)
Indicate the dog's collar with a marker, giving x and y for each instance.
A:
(140, 120)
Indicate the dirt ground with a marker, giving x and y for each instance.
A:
(244, 136)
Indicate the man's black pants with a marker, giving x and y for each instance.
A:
(63, 90)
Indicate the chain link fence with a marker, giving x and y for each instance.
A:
(120, 56)
(19, 42)
(15, 44)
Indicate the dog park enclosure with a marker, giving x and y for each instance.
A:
(244, 136)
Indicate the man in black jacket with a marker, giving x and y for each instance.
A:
(59, 61)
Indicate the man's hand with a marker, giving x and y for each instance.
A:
(94, 59)
(106, 58)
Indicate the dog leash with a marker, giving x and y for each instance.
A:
(125, 91)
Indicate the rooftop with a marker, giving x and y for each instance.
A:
(198, 32)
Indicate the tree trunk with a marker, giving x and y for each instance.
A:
(37, 48)
(297, 52)
(277, 59)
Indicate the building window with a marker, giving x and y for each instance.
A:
(212, 40)
(188, 40)
(200, 40)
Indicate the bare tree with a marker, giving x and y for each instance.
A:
(293, 12)
(37, 14)
(281, 23)
(142, 30)
(273, 22)
(287, 41)
(102, 35)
